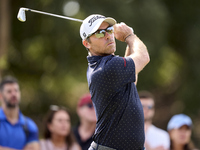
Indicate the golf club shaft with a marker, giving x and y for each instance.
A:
(59, 16)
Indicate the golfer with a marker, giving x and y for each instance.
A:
(111, 80)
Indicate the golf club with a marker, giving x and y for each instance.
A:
(22, 16)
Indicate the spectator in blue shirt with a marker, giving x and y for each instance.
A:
(120, 118)
(17, 132)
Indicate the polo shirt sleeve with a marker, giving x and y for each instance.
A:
(120, 71)
(33, 131)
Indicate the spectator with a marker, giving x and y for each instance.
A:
(86, 127)
(155, 138)
(180, 130)
(16, 130)
(57, 132)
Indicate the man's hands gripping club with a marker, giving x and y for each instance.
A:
(122, 31)
(135, 47)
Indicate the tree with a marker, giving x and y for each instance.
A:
(5, 33)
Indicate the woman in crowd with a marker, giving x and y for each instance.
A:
(180, 130)
(57, 132)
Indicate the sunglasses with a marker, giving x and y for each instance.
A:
(148, 106)
(102, 32)
(56, 108)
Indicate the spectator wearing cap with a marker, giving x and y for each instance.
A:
(180, 130)
(87, 122)
(155, 138)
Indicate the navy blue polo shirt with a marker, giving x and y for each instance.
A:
(120, 119)
(13, 135)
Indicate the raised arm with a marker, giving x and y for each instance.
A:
(135, 47)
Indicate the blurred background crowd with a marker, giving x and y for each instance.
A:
(47, 57)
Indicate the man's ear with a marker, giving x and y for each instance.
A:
(86, 44)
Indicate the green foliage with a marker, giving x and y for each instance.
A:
(47, 56)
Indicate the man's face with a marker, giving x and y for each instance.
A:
(102, 46)
(10, 95)
(148, 108)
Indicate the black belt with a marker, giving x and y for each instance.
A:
(100, 147)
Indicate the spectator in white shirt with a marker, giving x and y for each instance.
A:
(155, 138)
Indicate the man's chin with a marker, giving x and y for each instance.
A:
(112, 51)
(11, 106)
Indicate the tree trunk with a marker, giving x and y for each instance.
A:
(4, 33)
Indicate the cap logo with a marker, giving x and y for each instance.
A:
(84, 34)
(93, 19)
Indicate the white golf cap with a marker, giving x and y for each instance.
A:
(92, 23)
(178, 121)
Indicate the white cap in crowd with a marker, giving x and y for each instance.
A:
(178, 121)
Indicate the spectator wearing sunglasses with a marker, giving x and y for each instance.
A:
(57, 131)
(111, 80)
(155, 138)
(87, 122)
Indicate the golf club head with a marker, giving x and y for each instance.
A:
(21, 15)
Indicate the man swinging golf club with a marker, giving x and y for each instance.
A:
(111, 81)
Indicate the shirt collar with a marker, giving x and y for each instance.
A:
(93, 60)
(3, 116)
(21, 118)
